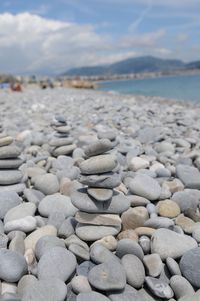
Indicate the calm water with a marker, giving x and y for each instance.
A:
(176, 87)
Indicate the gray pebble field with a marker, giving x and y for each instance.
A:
(99, 197)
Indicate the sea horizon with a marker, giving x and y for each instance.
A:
(182, 87)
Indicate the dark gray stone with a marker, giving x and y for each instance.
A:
(128, 246)
(108, 276)
(159, 288)
(134, 269)
(190, 266)
(107, 180)
(81, 200)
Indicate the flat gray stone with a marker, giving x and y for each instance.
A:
(56, 203)
(107, 276)
(51, 289)
(10, 163)
(168, 243)
(100, 194)
(134, 269)
(56, 262)
(64, 150)
(95, 232)
(12, 265)
(9, 177)
(145, 186)
(9, 151)
(8, 200)
(189, 175)
(98, 164)
(190, 265)
(20, 211)
(107, 180)
(81, 200)
(98, 147)
(98, 219)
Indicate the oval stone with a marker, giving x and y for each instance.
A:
(98, 164)
(81, 200)
(12, 265)
(56, 262)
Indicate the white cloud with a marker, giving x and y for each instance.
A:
(31, 43)
(182, 37)
(143, 40)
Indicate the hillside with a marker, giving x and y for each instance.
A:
(132, 65)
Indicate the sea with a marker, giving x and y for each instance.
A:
(183, 87)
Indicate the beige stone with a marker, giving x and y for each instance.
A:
(134, 217)
(186, 223)
(145, 231)
(174, 186)
(130, 233)
(108, 241)
(31, 240)
(168, 208)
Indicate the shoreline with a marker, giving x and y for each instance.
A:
(34, 105)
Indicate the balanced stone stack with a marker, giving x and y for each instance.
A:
(10, 175)
(61, 143)
(100, 206)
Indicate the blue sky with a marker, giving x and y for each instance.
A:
(53, 36)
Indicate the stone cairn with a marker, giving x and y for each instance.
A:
(99, 204)
(9, 162)
(61, 143)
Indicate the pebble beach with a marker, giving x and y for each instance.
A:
(99, 197)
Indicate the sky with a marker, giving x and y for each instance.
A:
(52, 36)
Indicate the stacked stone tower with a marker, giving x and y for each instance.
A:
(61, 143)
(100, 206)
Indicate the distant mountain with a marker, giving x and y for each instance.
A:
(193, 65)
(132, 65)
